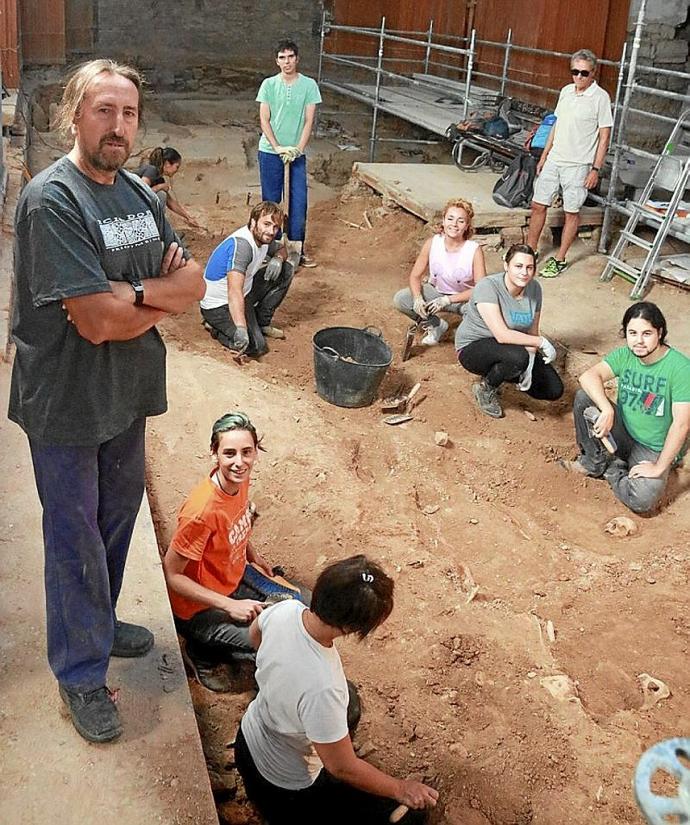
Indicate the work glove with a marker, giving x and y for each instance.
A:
(438, 304)
(240, 340)
(548, 350)
(273, 269)
(524, 382)
(290, 265)
(419, 307)
(289, 153)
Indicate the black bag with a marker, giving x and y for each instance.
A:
(497, 128)
(514, 187)
(474, 123)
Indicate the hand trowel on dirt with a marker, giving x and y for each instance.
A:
(401, 404)
(591, 416)
(237, 356)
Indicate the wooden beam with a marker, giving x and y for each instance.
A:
(9, 43)
(423, 189)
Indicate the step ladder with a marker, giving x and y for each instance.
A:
(673, 164)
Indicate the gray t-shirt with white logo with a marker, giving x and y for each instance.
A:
(73, 236)
(518, 313)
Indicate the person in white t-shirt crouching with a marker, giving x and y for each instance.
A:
(573, 156)
(454, 263)
(293, 748)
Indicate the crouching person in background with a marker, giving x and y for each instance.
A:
(634, 443)
(499, 338)
(454, 264)
(243, 288)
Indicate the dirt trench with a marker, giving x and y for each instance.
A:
(507, 675)
(504, 575)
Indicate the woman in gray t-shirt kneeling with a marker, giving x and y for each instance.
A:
(499, 337)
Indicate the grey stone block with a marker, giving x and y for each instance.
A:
(671, 51)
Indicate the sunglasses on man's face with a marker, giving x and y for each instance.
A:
(581, 72)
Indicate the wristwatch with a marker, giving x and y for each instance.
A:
(596, 169)
(138, 288)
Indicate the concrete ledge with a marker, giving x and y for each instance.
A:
(156, 772)
(424, 188)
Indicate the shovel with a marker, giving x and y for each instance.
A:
(286, 203)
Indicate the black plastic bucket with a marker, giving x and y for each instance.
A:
(349, 365)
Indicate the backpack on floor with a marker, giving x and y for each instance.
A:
(514, 187)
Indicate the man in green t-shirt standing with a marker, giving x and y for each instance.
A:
(647, 428)
(287, 106)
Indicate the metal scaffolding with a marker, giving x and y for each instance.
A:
(421, 96)
(621, 149)
(427, 98)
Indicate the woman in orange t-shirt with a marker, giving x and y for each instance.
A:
(205, 564)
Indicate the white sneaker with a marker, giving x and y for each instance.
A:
(273, 332)
(434, 334)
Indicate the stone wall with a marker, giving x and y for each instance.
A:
(184, 44)
(664, 46)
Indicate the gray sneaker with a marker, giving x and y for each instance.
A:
(434, 334)
(94, 713)
(573, 466)
(486, 397)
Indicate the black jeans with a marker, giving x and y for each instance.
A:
(260, 305)
(213, 637)
(326, 801)
(506, 362)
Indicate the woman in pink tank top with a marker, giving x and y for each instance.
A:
(454, 264)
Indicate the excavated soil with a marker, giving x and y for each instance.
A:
(504, 574)
(505, 577)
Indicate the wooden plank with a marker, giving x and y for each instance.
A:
(431, 108)
(43, 31)
(599, 25)
(9, 43)
(415, 105)
(423, 189)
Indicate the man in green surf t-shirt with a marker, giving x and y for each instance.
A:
(651, 419)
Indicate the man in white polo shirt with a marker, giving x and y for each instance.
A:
(573, 155)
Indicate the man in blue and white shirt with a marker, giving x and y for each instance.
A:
(243, 291)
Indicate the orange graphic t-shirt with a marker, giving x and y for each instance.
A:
(213, 529)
